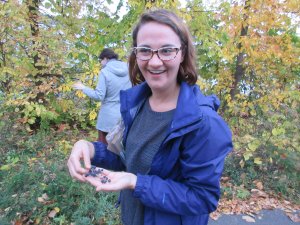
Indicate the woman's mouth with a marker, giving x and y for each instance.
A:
(156, 72)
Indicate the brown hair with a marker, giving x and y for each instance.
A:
(187, 71)
(108, 53)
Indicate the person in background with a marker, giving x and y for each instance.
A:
(112, 79)
(174, 141)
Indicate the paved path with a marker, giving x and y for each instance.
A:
(264, 217)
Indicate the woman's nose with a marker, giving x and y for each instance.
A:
(155, 60)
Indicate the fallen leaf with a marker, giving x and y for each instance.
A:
(18, 222)
(40, 200)
(45, 196)
(52, 213)
(259, 185)
(294, 217)
(44, 199)
(224, 179)
(249, 219)
(214, 215)
(255, 193)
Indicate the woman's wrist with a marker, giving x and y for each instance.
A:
(133, 180)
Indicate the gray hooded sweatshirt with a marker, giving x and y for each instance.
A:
(112, 78)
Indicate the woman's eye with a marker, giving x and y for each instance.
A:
(144, 50)
(166, 50)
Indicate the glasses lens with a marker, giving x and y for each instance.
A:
(143, 53)
(167, 53)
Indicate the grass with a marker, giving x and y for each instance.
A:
(34, 181)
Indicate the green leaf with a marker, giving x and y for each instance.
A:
(253, 145)
(247, 155)
(5, 167)
(278, 131)
(31, 120)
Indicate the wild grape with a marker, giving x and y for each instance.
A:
(94, 172)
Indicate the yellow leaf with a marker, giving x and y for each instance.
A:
(79, 94)
(242, 163)
(247, 155)
(257, 161)
(271, 160)
(93, 115)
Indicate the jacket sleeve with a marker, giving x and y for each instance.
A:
(105, 158)
(197, 191)
(100, 91)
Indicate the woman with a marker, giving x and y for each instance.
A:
(174, 141)
(112, 78)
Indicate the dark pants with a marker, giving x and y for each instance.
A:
(102, 136)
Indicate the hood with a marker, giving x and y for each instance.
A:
(211, 101)
(116, 67)
(192, 105)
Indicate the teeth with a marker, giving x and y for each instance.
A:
(156, 71)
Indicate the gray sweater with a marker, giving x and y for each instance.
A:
(144, 139)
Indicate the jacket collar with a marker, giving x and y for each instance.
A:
(189, 103)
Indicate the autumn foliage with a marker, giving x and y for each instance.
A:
(247, 54)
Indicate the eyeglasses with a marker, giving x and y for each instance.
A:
(164, 54)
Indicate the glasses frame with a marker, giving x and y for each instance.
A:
(156, 52)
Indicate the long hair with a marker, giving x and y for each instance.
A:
(187, 71)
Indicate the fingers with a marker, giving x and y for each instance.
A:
(75, 171)
(78, 85)
(88, 153)
(80, 151)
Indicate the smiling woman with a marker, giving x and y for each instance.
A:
(174, 141)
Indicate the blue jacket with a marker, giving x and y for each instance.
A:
(182, 186)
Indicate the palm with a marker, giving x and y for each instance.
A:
(110, 181)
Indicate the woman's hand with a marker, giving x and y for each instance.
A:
(82, 151)
(106, 180)
(78, 86)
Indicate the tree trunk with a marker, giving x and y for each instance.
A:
(240, 69)
(33, 9)
(6, 82)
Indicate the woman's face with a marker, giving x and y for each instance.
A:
(103, 61)
(160, 75)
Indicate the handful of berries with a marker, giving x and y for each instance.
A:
(94, 171)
